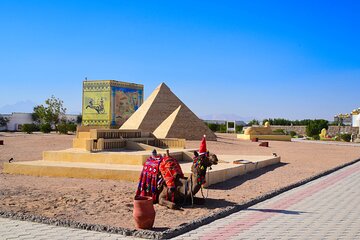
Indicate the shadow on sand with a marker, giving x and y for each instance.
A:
(237, 181)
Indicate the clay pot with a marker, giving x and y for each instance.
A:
(144, 212)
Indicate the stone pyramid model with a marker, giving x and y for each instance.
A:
(183, 123)
(158, 110)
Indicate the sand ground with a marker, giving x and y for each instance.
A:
(109, 202)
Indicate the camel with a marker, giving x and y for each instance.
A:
(186, 188)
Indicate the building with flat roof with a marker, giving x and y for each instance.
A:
(17, 119)
(356, 117)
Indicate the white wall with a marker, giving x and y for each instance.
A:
(71, 117)
(356, 120)
(17, 119)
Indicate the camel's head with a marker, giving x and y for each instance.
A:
(213, 160)
(204, 161)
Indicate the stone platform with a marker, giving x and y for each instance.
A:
(127, 165)
(264, 137)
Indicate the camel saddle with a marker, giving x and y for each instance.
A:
(170, 169)
(150, 178)
(155, 171)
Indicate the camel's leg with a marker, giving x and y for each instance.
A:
(164, 202)
(199, 200)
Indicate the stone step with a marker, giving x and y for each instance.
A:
(225, 170)
(126, 157)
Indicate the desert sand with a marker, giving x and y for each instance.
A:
(109, 202)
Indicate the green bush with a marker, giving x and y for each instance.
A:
(239, 128)
(71, 127)
(292, 133)
(346, 137)
(29, 128)
(62, 128)
(279, 131)
(222, 128)
(337, 137)
(314, 127)
(45, 128)
(214, 127)
(253, 122)
(316, 137)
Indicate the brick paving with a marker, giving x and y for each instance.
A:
(338, 143)
(327, 208)
(23, 230)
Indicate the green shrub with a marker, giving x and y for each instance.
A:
(29, 128)
(279, 131)
(253, 122)
(45, 128)
(316, 137)
(346, 137)
(62, 128)
(222, 128)
(71, 127)
(292, 133)
(239, 128)
(337, 137)
(214, 127)
(314, 127)
(300, 136)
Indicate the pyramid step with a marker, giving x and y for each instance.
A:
(126, 157)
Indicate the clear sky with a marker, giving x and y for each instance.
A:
(290, 59)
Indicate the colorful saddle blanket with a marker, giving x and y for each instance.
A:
(170, 168)
(149, 178)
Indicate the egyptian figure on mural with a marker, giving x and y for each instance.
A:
(126, 105)
(99, 108)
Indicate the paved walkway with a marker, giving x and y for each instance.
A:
(22, 230)
(327, 208)
(349, 144)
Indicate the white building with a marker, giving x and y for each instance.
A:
(356, 118)
(16, 120)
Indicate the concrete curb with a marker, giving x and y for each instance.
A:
(173, 232)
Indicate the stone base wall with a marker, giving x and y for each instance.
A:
(333, 130)
(298, 129)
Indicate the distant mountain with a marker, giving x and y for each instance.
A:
(22, 106)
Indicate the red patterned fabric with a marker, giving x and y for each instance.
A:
(169, 169)
(149, 178)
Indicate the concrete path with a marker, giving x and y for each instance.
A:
(349, 144)
(327, 208)
(14, 229)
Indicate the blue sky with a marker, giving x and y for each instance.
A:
(290, 59)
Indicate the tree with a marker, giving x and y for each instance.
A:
(253, 122)
(51, 113)
(3, 121)
(79, 119)
(314, 127)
